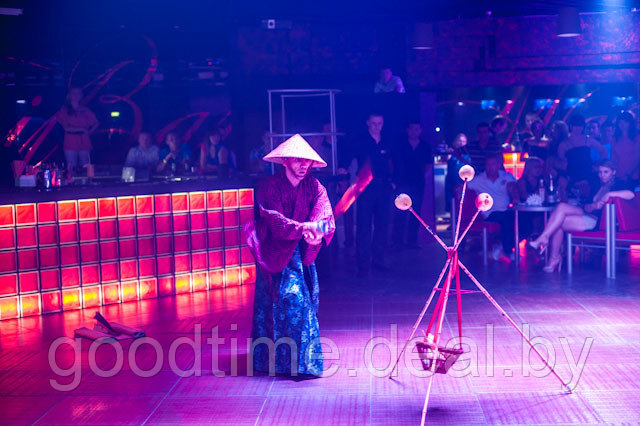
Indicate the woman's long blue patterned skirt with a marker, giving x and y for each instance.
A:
(285, 313)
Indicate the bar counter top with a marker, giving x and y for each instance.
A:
(113, 188)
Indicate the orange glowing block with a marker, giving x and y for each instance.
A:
(231, 218)
(46, 212)
(111, 293)
(71, 299)
(89, 252)
(162, 203)
(107, 208)
(246, 216)
(246, 256)
(126, 206)
(90, 274)
(28, 282)
(8, 284)
(107, 229)
(165, 286)
(165, 265)
(91, 297)
(245, 197)
(163, 224)
(180, 223)
(68, 233)
(180, 202)
(214, 200)
(49, 279)
(26, 214)
(249, 274)
(183, 284)
(198, 241)
(88, 231)
(7, 238)
(214, 219)
(88, 209)
(67, 211)
(146, 246)
(216, 278)
(148, 288)
(129, 291)
(7, 216)
(51, 301)
(144, 205)
(199, 261)
(216, 259)
(231, 257)
(200, 281)
(198, 221)
(147, 267)
(145, 226)
(126, 227)
(232, 277)
(230, 199)
(197, 201)
(70, 276)
(8, 307)
(30, 305)
(182, 263)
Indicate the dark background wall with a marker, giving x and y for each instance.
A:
(507, 55)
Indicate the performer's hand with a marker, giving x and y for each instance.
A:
(313, 239)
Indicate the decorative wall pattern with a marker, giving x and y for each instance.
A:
(62, 255)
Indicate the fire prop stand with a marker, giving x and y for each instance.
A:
(436, 358)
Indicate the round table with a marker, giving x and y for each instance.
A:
(517, 208)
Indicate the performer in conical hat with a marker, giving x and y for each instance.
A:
(293, 220)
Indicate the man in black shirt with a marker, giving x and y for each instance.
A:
(410, 163)
(374, 204)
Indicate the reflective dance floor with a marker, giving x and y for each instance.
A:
(589, 326)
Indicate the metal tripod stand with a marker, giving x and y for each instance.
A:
(439, 359)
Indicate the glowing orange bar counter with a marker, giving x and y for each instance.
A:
(81, 247)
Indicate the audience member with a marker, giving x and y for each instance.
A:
(214, 155)
(388, 83)
(607, 136)
(529, 183)
(593, 134)
(484, 146)
(626, 148)
(575, 153)
(459, 156)
(412, 157)
(500, 185)
(374, 204)
(78, 123)
(554, 166)
(498, 128)
(256, 164)
(176, 156)
(538, 144)
(567, 217)
(145, 155)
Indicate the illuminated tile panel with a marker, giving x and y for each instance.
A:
(73, 254)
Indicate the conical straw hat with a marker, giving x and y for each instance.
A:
(295, 147)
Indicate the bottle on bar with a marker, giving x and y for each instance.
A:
(551, 192)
